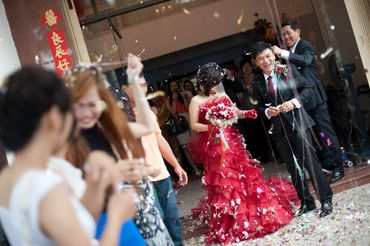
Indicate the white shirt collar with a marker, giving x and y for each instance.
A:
(294, 46)
(274, 82)
(272, 74)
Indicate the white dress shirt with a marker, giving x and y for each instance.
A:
(295, 101)
(285, 53)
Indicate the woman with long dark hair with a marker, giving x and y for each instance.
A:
(178, 105)
(189, 88)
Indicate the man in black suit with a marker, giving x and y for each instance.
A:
(255, 135)
(302, 55)
(279, 101)
(233, 87)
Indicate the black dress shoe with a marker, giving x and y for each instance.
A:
(326, 209)
(337, 175)
(305, 208)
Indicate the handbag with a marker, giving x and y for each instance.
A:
(176, 125)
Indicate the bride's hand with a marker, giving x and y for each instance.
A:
(252, 114)
(212, 128)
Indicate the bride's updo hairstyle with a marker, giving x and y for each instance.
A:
(208, 76)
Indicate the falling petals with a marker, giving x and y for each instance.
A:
(186, 11)
(240, 18)
(347, 225)
(329, 142)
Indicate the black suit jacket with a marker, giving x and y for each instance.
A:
(232, 88)
(299, 88)
(304, 58)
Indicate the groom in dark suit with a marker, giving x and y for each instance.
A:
(302, 55)
(280, 94)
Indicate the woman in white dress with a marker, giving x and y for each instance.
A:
(36, 207)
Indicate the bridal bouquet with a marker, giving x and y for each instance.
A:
(221, 115)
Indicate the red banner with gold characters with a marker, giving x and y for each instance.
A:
(59, 48)
(51, 18)
(57, 41)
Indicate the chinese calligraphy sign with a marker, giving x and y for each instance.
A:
(59, 49)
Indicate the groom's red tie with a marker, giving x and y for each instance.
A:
(270, 86)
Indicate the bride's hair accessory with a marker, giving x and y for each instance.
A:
(208, 76)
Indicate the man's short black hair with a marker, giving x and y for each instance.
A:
(259, 47)
(230, 66)
(293, 24)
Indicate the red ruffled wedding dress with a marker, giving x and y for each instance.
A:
(240, 203)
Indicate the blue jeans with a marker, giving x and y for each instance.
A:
(129, 234)
(167, 206)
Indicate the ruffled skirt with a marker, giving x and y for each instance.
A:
(240, 203)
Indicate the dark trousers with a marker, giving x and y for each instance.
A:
(255, 138)
(326, 142)
(306, 158)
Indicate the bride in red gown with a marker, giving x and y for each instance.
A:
(240, 203)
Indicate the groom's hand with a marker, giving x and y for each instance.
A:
(272, 111)
(286, 107)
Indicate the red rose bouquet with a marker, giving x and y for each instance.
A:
(221, 115)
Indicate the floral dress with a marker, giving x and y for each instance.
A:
(148, 218)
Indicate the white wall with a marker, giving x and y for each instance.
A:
(9, 60)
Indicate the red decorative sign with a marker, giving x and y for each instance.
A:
(59, 48)
(57, 41)
(51, 18)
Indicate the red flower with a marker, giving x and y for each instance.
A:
(280, 69)
(221, 115)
